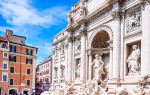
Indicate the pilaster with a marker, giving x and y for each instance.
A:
(66, 60)
(145, 43)
(83, 53)
(70, 51)
(116, 45)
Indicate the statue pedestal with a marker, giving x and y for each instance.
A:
(77, 85)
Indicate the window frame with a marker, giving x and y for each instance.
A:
(4, 55)
(27, 71)
(9, 81)
(29, 53)
(14, 60)
(11, 49)
(28, 62)
(10, 70)
(29, 82)
(5, 62)
(4, 73)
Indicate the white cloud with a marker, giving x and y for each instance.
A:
(3, 28)
(21, 12)
(24, 19)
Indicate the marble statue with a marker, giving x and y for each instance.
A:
(83, 89)
(98, 66)
(142, 88)
(133, 60)
(66, 89)
(96, 89)
(69, 19)
(78, 71)
(82, 11)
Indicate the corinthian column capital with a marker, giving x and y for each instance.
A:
(118, 14)
(69, 38)
(83, 30)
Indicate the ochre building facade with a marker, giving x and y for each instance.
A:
(17, 65)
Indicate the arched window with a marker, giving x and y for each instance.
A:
(100, 40)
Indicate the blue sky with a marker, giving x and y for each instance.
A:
(38, 20)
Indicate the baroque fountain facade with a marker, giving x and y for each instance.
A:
(104, 49)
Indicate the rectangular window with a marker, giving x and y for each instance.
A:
(5, 65)
(4, 77)
(12, 48)
(28, 71)
(12, 58)
(29, 52)
(11, 81)
(5, 54)
(3, 45)
(12, 69)
(28, 82)
(28, 61)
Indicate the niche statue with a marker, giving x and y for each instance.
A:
(133, 60)
(98, 67)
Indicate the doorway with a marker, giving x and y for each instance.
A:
(13, 91)
(0, 91)
(26, 92)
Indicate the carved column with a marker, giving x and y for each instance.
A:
(145, 43)
(53, 66)
(90, 68)
(110, 60)
(70, 46)
(116, 45)
(66, 60)
(83, 54)
(122, 67)
(59, 63)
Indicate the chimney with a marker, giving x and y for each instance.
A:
(9, 32)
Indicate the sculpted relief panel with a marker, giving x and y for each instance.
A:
(133, 20)
(77, 45)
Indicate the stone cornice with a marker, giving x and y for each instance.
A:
(131, 4)
(60, 40)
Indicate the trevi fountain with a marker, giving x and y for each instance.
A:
(104, 49)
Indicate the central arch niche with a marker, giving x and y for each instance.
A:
(100, 45)
(101, 40)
